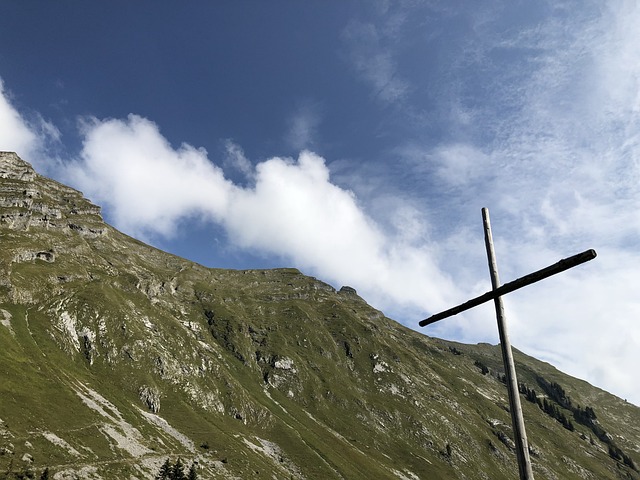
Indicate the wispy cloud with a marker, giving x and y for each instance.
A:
(374, 61)
(561, 173)
(303, 126)
(236, 159)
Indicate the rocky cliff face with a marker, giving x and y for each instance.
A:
(115, 356)
(28, 200)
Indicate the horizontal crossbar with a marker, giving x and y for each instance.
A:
(561, 266)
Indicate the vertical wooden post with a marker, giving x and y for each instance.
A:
(517, 420)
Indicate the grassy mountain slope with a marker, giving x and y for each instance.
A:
(115, 356)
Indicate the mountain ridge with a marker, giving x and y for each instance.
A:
(115, 356)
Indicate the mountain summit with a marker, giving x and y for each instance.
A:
(116, 357)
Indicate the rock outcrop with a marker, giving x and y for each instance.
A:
(28, 200)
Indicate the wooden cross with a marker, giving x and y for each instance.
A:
(520, 436)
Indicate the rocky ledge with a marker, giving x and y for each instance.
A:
(29, 200)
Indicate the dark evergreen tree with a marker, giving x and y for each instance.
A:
(45, 474)
(628, 462)
(193, 474)
(566, 423)
(483, 368)
(529, 393)
(614, 452)
(177, 472)
(165, 471)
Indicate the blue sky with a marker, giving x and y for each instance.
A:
(358, 141)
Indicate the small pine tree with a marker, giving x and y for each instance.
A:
(165, 471)
(483, 368)
(628, 462)
(45, 474)
(193, 474)
(177, 472)
(615, 453)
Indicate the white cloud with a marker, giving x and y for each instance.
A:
(30, 139)
(15, 134)
(148, 186)
(462, 165)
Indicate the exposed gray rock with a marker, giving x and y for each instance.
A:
(29, 256)
(29, 200)
(13, 167)
(150, 397)
(346, 290)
